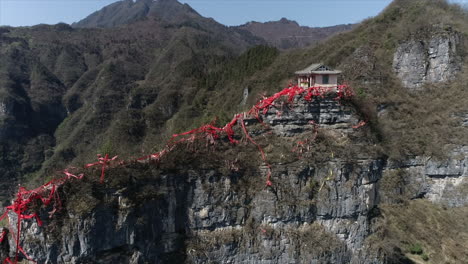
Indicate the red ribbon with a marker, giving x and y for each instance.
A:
(104, 162)
(360, 124)
(229, 130)
(2, 236)
(47, 193)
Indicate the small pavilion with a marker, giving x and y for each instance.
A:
(317, 75)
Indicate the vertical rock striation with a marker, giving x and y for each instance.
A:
(431, 59)
(314, 213)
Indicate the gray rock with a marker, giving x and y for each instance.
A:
(446, 168)
(433, 59)
(301, 116)
(443, 182)
(245, 96)
(314, 213)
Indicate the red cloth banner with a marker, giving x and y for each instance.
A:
(48, 195)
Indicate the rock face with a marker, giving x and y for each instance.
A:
(442, 182)
(289, 120)
(432, 59)
(314, 213)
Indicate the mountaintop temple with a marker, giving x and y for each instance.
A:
(317, 74)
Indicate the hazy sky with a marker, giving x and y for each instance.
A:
(228, 12)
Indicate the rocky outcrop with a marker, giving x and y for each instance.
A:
(431, 59)
(292, 119)
(313, 213)
(205, 216)
(443, 182)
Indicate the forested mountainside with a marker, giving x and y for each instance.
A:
(390, 191)
(87, 82)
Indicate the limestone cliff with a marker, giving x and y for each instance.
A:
(322, 207)
(336, 197)
(434, 57)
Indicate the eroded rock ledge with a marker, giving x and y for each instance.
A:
(433, 58)
(314, 213)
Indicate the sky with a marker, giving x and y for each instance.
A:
(229, 12)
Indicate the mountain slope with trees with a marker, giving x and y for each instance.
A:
(69, 93)
(64, 85)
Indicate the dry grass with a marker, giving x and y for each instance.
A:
(311, 240)
(441, 232)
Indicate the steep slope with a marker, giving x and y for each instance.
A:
(209, 205)
(361, 195)
(408, 122)
(31, 109)
(287, 34)
(421, 132)
(119, 83)
(206, 200)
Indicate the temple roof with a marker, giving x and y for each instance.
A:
(318, 68)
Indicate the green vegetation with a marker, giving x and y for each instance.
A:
(228, 81)
(132, 87)
(4, 222)
(414, 123)
(416, 249)
(126, 90)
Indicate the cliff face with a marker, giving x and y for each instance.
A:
(433, 58)
(440, 181)
(321, 208)
(336, 196)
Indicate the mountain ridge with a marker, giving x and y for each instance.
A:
(128, 11)
(286, 34)
(372, 194)
(283, 34)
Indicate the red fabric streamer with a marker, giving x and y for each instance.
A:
(265, 104)
(47, 193)
(24, 198)
(360, 124)
(302, 146)
(268, 181)
(20, 205)
(104, 162)
(2, 236)
(229, 130)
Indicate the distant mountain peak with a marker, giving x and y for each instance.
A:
(129, 11)
(285, 33)
(284, 20)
